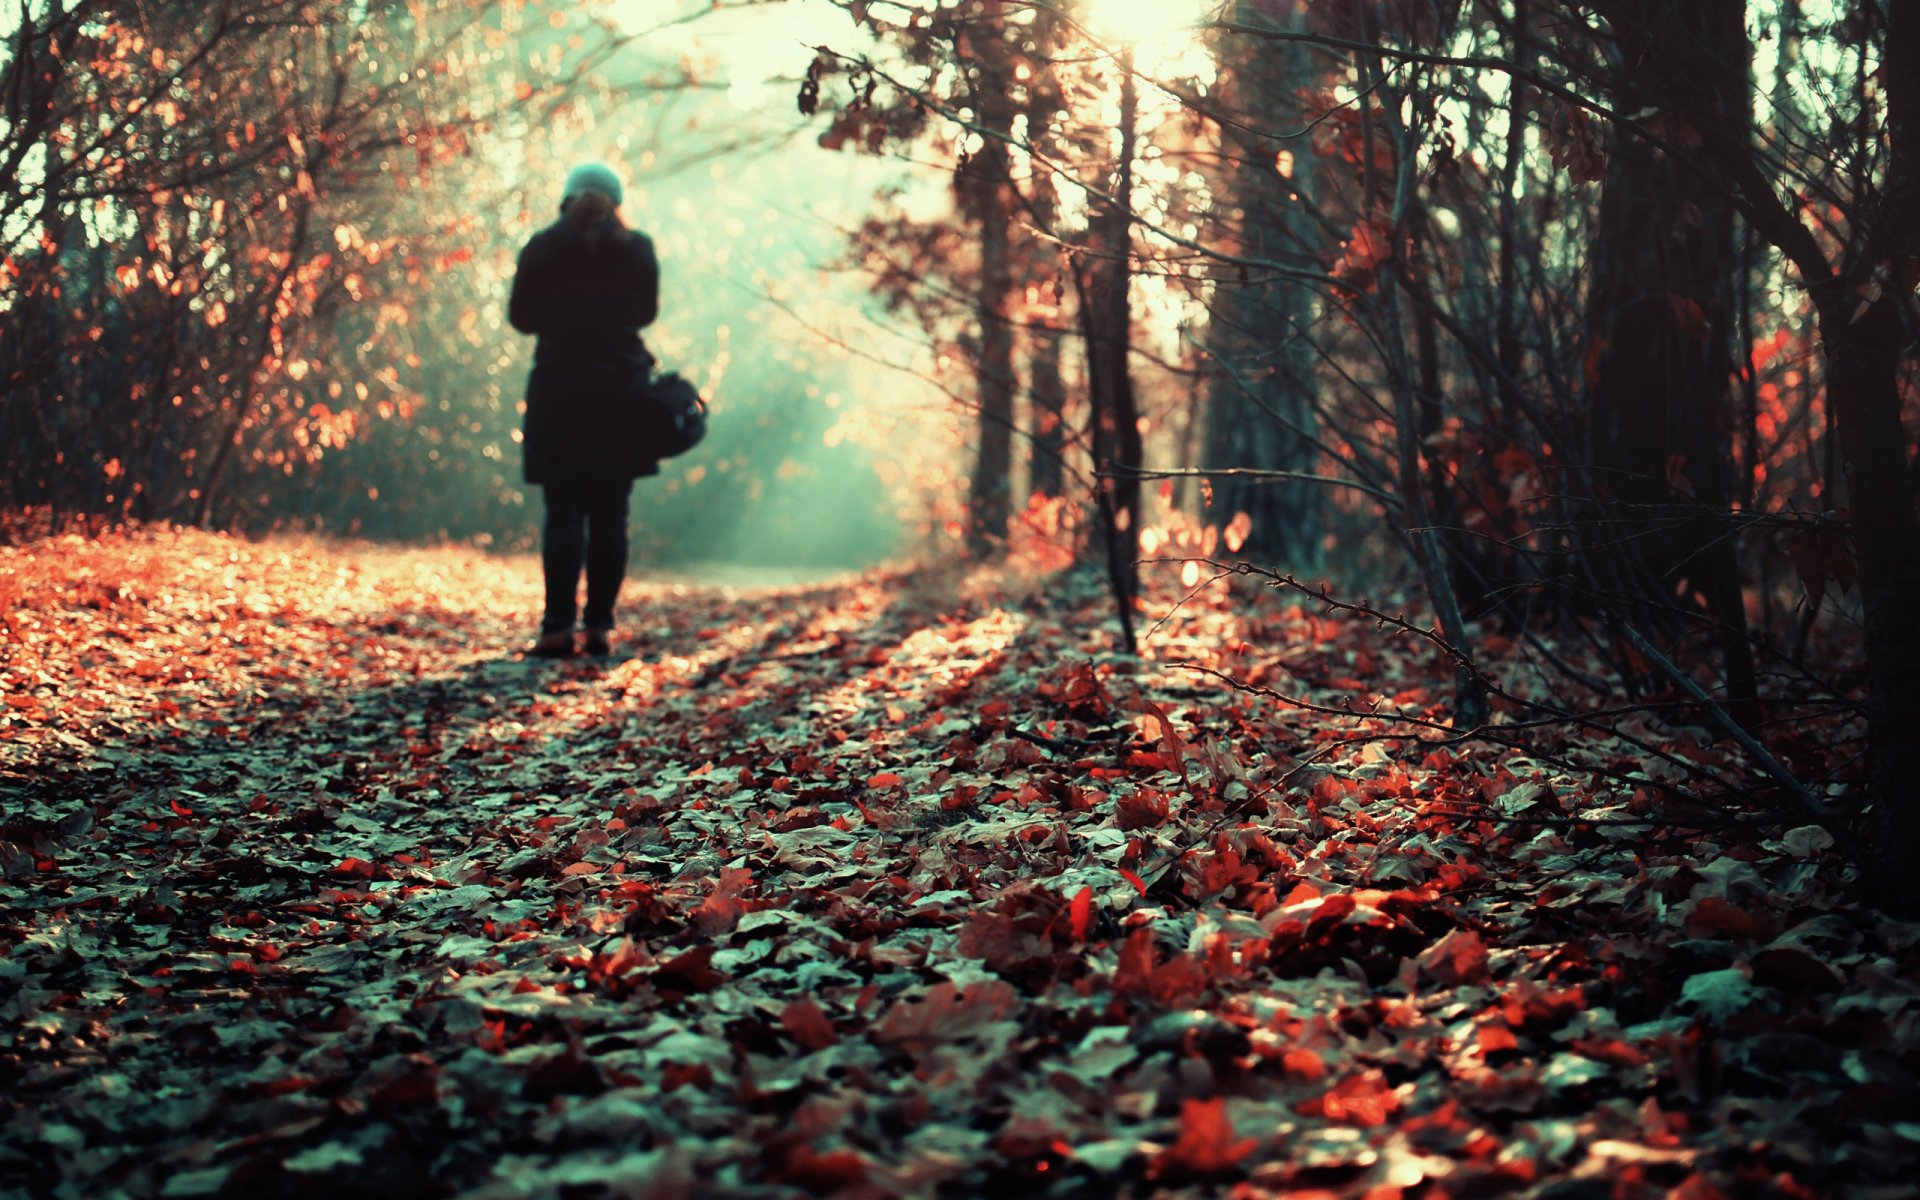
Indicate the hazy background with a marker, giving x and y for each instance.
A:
(821, 444)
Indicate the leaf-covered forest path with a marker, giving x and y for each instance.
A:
(896, 886)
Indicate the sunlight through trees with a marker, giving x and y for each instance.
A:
(1283, 595)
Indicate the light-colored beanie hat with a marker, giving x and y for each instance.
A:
(593, 177)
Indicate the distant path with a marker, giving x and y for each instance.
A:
(872, 887)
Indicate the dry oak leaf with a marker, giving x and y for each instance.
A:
(1141, 973)
(691, 970)
(1206, 1146)
(1363, 1099)
(807, 1025)
(1458, 959)
(823, 1173)
(945, 1013)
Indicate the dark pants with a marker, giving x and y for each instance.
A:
(586, 525)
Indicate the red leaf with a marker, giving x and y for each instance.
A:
(674, 1076)
(1713, 917)
(1333, 910)
(726, 904)
(885, 779)
(1134, 975)
(1301, 894)
(1223, 868)
(1142, 809)
(1612, 1051)
(1495, 1036)
(1139, 884)
(1206, 1146)
(1363, 1099)
(1456, 959)
(693, 969)
(1369, 249)
(417, 1087)
(1173, 751)
(807, 1025)
(286, 1086)
(1304, 1063)
(1080, 913)
(944, 1013)
(1574, 148)
(355, 868)
(1527, 1004)
(828, 1172)
(627, 956)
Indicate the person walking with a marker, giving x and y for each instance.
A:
(585, 286)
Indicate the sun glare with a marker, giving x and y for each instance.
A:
(1144, 24)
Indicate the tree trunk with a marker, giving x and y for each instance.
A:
(1864, 358)
(1664, 271)
(1866, 347)
(35, 397)
(1108, 326)
(233, 430)
(1506, 334)
(1863, 369)
(1047, 409)
(1260, 411)
(987, 194)
(1046, 384)
(1470, 703)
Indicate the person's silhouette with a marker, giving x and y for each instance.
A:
(585, 286)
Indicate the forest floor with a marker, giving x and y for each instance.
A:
(903, 885)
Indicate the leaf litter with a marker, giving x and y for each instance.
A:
(889, 886)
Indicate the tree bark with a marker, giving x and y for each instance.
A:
(987, 194)
(1865, 351)
(1507, 347)
(1260, 411)
(1047, 409)
(1664, 271)
(1470, 703)
(1867, 343)
(1046, 383)
(1108, 326)
(1863, 368)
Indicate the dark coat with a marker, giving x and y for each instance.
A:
(586, 304)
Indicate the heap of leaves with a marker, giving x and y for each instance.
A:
(898, 886)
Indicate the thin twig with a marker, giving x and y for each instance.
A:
(1724, 719)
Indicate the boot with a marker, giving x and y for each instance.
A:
(557, 643)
